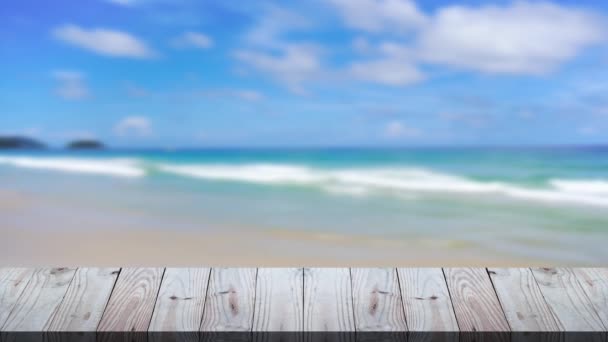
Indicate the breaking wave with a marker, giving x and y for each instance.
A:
(400, 181)
(109, 167)
(358, 182)
(597, 187)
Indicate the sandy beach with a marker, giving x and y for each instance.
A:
(71, 248)
(35, 237)
(288, 209)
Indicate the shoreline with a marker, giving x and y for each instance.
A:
(33, 248)
(48, 231)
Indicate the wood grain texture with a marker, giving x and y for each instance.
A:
(567, 299)
(181, 300)
(594, 282)
(328, 304)
(132, 302)
(377, 300)
(279, 300)
(12, 283)
(475, 303)
(230, 300)
(85, 300)
(39, 299)
(426, 300)
(521, 300)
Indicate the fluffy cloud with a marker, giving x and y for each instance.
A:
(134, 90)
(468, 119)
(133, 125)
(268, 52)
(104, 41)
(243, 94)
(71, 85)
(122, 2)
(380, 15)
(397, 129)
(392, 72)
(394, 67)
(193, 40)
(274, 23)
(291, 66)
(524, 38)
(249, 95)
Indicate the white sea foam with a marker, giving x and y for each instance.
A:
(110, 167)
(598, 187)
(400, 181)
(252, 173)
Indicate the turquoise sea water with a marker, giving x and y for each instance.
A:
(539, 203)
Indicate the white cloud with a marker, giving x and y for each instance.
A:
(193, 40)
(249, 95)
(292, 66)
(243, 94)
(527, 38)
(397, 129)
(391, 72)
(380, 15)
(523, 38)
(267, 51)
(472, 120)
(588, 130)
(395, 67)
(134, 90)
(361, 45)
(71, 85)
(133, 125)
(122, 2)
(104, 41)
(274, 23)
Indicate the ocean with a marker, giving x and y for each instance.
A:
(543, 205)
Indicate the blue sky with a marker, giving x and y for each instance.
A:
(189, 73)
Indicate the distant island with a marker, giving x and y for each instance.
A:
(85, 144)
(17, 142)
(26, 143)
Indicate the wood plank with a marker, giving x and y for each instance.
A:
(521, 300)
(12, 283)
(132, 302)
(594, 282)
(230, 300)
(181, 300)
(279, 300)
(85, 300)
(426, 300)
(567, 299)
(328, 304)
(475, 303)
(377, 300)
(39, 299)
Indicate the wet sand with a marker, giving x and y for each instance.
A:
(36, 233)
(72, 248)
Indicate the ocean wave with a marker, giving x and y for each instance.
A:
(109, 167)
(253, 173)
(598, 187)
(401, 182)
(362, 181)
